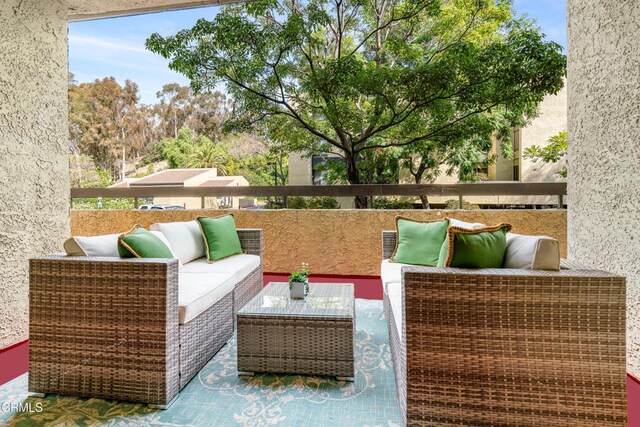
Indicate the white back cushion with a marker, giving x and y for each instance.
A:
(185, 239)
(470, 225)
(532, 252)
(101, 246)
(166, 242)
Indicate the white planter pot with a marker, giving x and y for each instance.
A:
(298, 290)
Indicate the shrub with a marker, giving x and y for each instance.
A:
(319, 202)
(455, 204)
(297, 203)
(392, 203)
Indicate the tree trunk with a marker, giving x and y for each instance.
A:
(353, 176)
(425, 201)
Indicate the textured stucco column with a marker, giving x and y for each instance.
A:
(604, 155)
(34, 181)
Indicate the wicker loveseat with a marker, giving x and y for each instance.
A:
(113, 328)
(498, 347)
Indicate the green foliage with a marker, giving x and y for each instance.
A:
(315, 202)
(359, 79)
(117, 203)
(297, 203)
(189, 151)
(98, 178)
(454, 204)
(392, 203)
(554, 152)
(320, 202)
(300, 275)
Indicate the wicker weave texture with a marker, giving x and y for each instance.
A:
(108, 327)
(315, 344)
(398, 356)
(512, 347)
(89, 336)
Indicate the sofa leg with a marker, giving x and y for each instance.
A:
(346, 379)
(163, 407)
(245, 374)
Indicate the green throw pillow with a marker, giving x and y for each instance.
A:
(476, 248)
(141, 243)
(419, 243)
(220, 237)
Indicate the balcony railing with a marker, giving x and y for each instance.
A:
(557, 189)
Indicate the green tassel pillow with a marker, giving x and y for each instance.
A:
(141, 243)
(475, 248)
(220, 237)
(419, 243)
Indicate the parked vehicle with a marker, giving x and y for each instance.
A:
(160, 207)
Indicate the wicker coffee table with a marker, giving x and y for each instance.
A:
(313, 336)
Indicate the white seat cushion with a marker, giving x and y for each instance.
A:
(532, 252)
(238, 265)
(390, 272)
(394, 293)
(101, 246)
(185, 239)
(199, 291)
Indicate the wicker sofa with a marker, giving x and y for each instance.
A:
(498, 347)
(113, 328)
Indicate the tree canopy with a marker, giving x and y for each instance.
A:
(363, 79)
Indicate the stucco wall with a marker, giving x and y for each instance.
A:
(604, 146)
(34, 183)
(343, 242)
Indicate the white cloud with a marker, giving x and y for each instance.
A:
(112, 45)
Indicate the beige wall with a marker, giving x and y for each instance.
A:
(34, 169)
(604, 146)
(342, 242)
(299, 170)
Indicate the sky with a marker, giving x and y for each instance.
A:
(115, 47)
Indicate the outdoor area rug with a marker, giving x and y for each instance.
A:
(218, 397)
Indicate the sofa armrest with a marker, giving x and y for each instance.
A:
(251, 240)
(104, 327)
(514, 347)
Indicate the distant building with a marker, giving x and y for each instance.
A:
(190, 178)
(551, 121)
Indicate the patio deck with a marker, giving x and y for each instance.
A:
(14, 360)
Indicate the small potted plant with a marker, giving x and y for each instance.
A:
(299, 282)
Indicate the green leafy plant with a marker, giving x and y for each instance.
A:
(455, 204)
(392, 203)
(554, 152)
(321, 202)
(297, 202)
(301, 275)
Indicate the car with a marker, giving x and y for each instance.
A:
(160, 207)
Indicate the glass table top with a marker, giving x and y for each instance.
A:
(324, 300)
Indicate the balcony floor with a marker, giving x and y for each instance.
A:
(218, 397)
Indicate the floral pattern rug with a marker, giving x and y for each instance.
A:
(218, 397)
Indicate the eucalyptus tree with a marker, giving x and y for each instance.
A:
(371, 76)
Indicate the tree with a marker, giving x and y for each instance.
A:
(106, 123)
(204, 113)
(554, 152)
(209, 155)
(173, 108)
(191, 151)
(360, 76)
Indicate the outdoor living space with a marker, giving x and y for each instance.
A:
(319, 213)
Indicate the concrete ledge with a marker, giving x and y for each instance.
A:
(336, 242)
